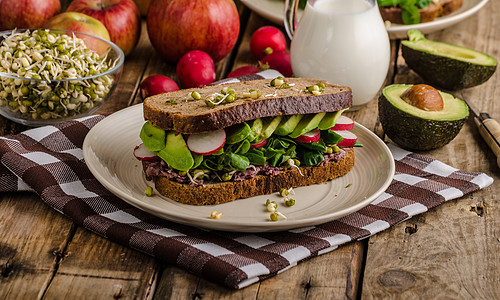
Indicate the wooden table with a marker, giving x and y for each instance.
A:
(450, 252)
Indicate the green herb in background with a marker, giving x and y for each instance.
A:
(410, 13)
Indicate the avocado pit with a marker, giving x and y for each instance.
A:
(424, 97)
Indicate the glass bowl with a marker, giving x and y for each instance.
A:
(49, 76)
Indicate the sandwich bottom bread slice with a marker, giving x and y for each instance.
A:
(216, 144)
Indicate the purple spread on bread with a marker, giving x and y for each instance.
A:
(160, 168)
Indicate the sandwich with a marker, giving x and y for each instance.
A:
(216, 144)
(410, 12)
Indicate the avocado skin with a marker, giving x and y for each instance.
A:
(414, 133)
(445, 72)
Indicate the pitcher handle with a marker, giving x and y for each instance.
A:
(290, 19)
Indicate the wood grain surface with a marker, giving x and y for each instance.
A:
(450, 252)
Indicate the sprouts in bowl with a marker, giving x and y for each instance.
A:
(48, 76)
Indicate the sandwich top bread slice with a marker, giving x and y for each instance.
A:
(179, 111)
(216, 144)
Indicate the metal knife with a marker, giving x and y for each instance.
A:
(488, 127)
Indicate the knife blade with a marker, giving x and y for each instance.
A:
(488, 127)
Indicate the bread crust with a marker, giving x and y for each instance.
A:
(217, 193)
(194, 116)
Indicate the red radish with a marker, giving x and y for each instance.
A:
(143, 154)
(279, 61)
(195, 69)
(157, 84)
(309, 137)
(349, 140)
(244, 70)
(266, 40)
(259, 144)
(206, 143)
(343, 123)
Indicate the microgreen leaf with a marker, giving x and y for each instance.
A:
(239, 162)
(312, 158)
(313, 146)
(331, 137)
(256, 159)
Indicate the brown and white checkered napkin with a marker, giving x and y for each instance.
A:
(49, 161)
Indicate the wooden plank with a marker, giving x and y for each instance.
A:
(332, 275)
(450, 252)
(135, 65)
(178, 284)
(98, 268)
(30, 229)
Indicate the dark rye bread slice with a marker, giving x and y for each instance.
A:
(217, 193)
(176, 111)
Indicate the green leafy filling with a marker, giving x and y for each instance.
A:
(239, 156)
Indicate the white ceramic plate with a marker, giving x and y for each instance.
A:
(108, 152)
(273, 10)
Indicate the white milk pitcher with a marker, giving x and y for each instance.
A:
(340, 41)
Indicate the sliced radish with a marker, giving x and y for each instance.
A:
(309, 137)
(143, 154)
(206, 143)
(343, 123)
(259, 144)
(349, 138)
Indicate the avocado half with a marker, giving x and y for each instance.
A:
(416, 129)
(444, 65)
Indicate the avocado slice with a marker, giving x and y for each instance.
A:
(329, 120)
(269, 125)
(445, 65)
(255, 129)
(307, 123)
(237, 133)
(176, 153)
(288, 124)
(152, 137)
(417, 129)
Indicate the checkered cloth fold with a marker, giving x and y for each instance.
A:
(49, 161)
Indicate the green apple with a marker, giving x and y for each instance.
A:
(79, 22)
(75, 21)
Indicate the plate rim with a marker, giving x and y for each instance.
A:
(208, 223)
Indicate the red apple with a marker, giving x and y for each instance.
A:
(82, 23)
(121, 18)
(27, 13)
(176, 27)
